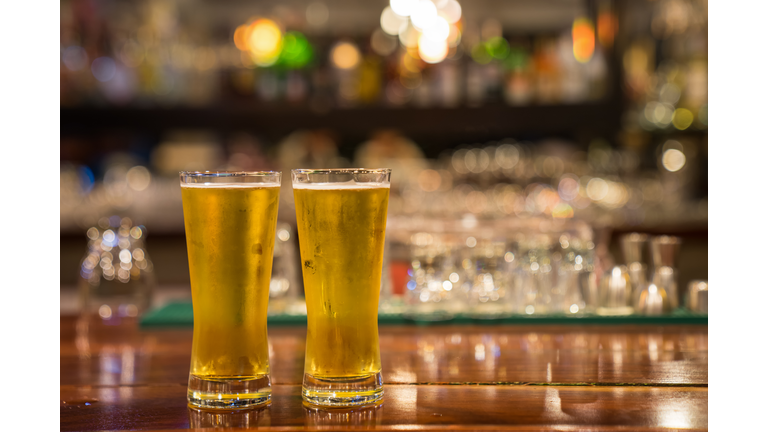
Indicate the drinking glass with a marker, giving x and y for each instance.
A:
(230, 219)
(342, 216)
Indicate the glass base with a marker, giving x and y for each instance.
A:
(342, 392)
(228, 392)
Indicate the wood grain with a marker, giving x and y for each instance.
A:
(674, 355)
(437, 377)
(164, 407)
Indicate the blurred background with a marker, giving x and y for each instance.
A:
(544, 129)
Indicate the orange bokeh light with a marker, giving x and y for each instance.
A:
(583, 40)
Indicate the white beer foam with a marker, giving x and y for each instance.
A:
(219, 185)
(341, 185)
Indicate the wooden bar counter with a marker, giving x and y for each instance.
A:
(476, 377)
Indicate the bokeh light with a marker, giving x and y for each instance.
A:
(103, 69)
(392, 22)
(138, 178)
(75, 58)
(296, 52)
(439, 30)
(317, 14)
(607, 26)
(403, 7)
(265, 40)
(597, 189)
(432, 51)
(345, 55)
(382, 43)
(583, 34)
(682, 118)
(424, 14)
(673, 160)
(451, 11)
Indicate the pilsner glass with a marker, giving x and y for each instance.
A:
(341, 216)
(230, 219)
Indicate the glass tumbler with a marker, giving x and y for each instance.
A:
(342, 216)
(229, 220)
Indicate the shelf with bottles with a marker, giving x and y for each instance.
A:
(272, 59)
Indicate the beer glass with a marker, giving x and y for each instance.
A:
(230, 219)
(341, 216)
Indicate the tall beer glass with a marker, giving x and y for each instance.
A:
(341, 216)
(230, 220)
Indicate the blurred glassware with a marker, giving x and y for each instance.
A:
(116, 274)
(652, 301)
(665, 250)
(698, 293)
(491, 292)
(615, 293)
(665, 278)
(430, 294)
(632, 246)
(284, 285)
(587, 282)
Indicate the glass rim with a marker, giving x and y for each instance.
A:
(343, 171)
(229, 173)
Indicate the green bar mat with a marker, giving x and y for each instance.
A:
(179, 314)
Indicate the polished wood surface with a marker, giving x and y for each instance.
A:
(120, 377)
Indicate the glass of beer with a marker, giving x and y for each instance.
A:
(230, 219)
(341, 216)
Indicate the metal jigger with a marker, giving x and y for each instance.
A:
(664, 250)
(652, 301)
(632, 246)
(698, 293)
(615, 294)
(589, 291)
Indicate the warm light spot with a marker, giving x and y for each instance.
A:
(447, 285)
(607, 25)
(391, 22)
(93, 233)
(105, 312)
(471, 242)
(345, 55)
(563, 211)
(403, 8)
(241, 37)
(438, 31)
(429, 180)
(451, 11)
(583, 33)
(265, 41)
(574, 308)
(424, 14)
(138, 178)
(432, 51)
(283, 235)
(682, 118)
(529, 309)
(317, 14)
(597, 189)
(454, 277)
(673, 160)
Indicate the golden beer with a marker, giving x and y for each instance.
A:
(341, 238)
(230, 231)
